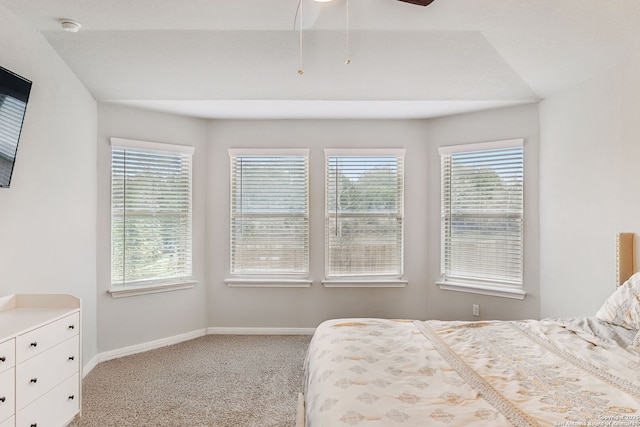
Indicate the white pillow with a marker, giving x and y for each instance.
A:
(622, 308)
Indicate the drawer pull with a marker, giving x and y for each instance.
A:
(3, 359)
(33, 380)
(72, 397)
(2, 399)
(71, 358)
(72, 327)
(34, 344)
(34, 425)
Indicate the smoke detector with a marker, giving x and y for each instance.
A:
(70, 25)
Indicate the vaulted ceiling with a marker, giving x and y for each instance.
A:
(240, 58)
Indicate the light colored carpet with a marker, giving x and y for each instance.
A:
(213, 381)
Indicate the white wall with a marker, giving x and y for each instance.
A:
(588, 180)
(421, 299)
(59, 198)
(135, 320)
(589, 188)
(508, 123)
(48, 215)
(306, 307)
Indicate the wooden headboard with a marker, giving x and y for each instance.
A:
(625, 258)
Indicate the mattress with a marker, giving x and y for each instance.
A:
(409, 373)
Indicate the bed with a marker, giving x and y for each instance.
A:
(409, 373)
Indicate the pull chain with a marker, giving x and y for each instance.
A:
(347, 36)
(300, 68)
(348, 60)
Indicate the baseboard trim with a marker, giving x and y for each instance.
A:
(88, 367)
(259, 331)
(152, 345)
(140, 348)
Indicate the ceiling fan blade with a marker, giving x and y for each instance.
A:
(419, 2)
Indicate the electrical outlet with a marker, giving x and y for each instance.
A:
(476, 309)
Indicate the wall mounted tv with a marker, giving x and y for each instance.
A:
(14, 95)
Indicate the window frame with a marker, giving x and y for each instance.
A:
(485, 286)
(265, 278)
(365, 280)
(185, 279)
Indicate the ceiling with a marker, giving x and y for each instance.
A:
(240, 58)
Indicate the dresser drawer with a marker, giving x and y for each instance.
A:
(7, 355)
(54, 409)
(41, 339)
(11, 422)
(7, 396)
(41, 373)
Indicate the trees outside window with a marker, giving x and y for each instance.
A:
(364, 214)
(482, 213)
(269, 212)
(151, 212)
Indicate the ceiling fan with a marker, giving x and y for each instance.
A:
(419, 2)
(416, 2)
(348, 60)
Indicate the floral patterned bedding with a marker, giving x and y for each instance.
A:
(377, 372)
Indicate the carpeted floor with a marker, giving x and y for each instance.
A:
(213, 381)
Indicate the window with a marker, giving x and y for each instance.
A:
(150, 213)
(364, 214)
(482, 214)
(269, 212)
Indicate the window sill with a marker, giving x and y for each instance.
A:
(483, 289)
(361, 283)
(237, 282)
(132, 291)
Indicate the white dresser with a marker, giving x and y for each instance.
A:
(40, 359)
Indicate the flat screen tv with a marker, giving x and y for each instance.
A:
(14, 95)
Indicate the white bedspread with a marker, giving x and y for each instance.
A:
(376, 372)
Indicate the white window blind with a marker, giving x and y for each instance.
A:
(151, 212)
(482, 213)
(269, 212)
(364, 214)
